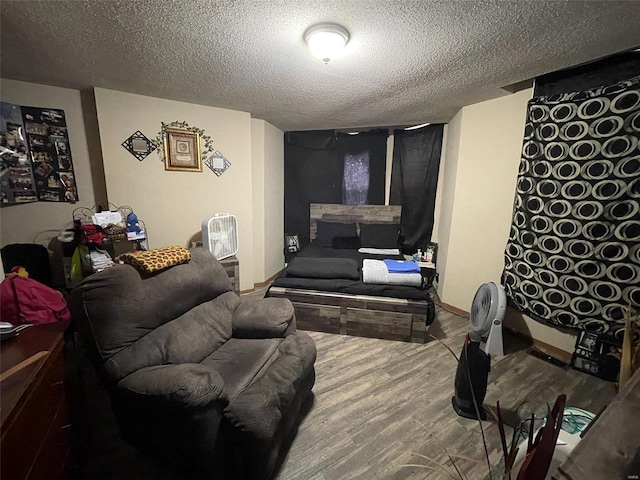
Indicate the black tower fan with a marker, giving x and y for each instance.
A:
(487, 313)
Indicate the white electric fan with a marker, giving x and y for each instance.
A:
(220, 235)
(487, 313)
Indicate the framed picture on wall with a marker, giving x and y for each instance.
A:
(182, 150)
(430, 253)
(292, 243)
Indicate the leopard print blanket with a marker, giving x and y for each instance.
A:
(156, 260)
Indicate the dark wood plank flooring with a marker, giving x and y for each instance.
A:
(379, 404)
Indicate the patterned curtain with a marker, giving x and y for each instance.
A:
(573, 255)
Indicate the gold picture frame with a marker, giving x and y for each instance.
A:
(182, 151)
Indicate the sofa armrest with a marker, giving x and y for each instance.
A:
(186, 384)
(264, 318)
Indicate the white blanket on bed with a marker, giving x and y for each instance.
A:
(379, 251)
(375, 271)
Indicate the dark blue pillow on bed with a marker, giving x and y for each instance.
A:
(351, 243)
(327, 231)
(379, 235)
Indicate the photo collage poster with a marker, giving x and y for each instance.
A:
(36, 156)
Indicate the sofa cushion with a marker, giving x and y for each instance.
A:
(256, 411)
(183, 385)
(122, 307)
(267, 317)
(240, 360)
(188, 339)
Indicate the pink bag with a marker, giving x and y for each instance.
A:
(24, 300)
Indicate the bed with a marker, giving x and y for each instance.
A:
(343, 303)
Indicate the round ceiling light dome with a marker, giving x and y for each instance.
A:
(326, 40)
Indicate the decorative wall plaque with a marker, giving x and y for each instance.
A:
(217, 163)
(139, 145)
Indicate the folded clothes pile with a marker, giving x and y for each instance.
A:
(391, 272)
(100, 260)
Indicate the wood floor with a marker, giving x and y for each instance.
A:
(379, 404)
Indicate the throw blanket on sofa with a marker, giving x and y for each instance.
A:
(375, 271)
(306, 267)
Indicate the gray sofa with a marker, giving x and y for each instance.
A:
(208, 384)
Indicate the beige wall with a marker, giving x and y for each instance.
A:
(40, 221)
(273, 248)
(481, 166)
(488, 157)
(445, 195)
(173, 204)
(267, 152)
(257, 169)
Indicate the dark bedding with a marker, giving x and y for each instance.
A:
(312, 252)
(310, 267)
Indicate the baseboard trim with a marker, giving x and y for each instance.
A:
(449, 308)
(267, 282)
(550, 350)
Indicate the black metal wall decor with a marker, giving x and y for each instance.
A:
(35, 156)
(139, 145)
(218, 163)
(573, 255)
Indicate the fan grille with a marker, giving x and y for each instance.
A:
(483, 310)
(220, 235)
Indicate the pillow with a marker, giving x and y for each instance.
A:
(379, 235)
(352, 243)
(326, 231)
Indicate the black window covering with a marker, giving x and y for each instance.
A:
(311, 175)
(313, 171)
(375, 143)
(414, 178)
(606, 71)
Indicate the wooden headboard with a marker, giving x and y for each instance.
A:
(328, 212)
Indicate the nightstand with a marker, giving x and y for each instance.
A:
(232, 266)
(428, 272)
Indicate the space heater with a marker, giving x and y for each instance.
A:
(487, 314)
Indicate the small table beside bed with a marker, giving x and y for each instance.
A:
(325, 280)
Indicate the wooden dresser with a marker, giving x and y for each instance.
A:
(35, 420)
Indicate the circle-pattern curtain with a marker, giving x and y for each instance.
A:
(573, 255)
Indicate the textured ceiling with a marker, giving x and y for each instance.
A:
(407, 62)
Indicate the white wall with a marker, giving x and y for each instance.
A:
(482, 157)
(40, 221)
(173, 204)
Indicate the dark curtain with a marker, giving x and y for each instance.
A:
(366, 154)
(605, 71)
(312, 174)
(414, 178)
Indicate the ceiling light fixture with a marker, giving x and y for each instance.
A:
(325, 40)
(415, 127)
